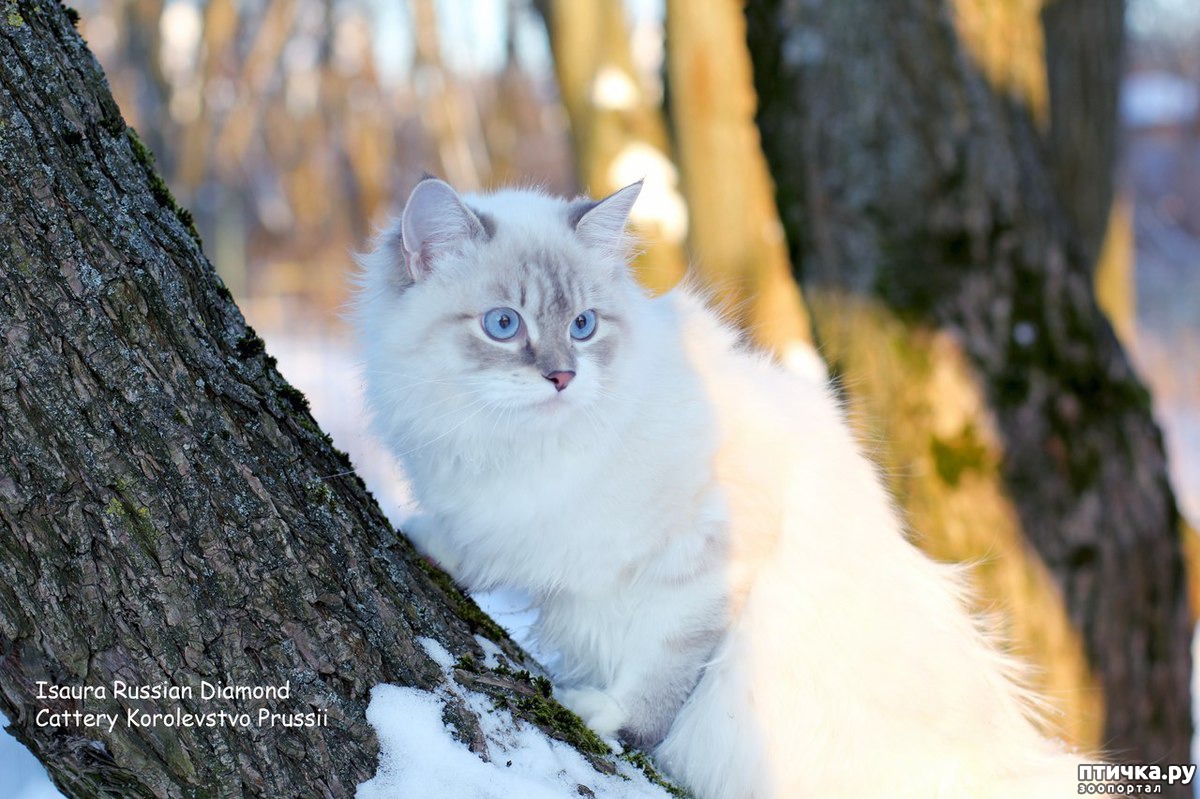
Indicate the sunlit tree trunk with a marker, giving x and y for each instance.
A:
(1115, 280)
(944, 273)
(169, 510)
(735, 239)
(448, 109)
(220, 28)
(141, 86)
(619, 133)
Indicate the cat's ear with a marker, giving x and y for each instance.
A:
(602, 223)
(435, 218)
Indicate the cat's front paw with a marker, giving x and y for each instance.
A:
(428, 535)
(597, 709)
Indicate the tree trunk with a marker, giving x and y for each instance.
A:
(734, 237)
(618, 133)
(1084, 46)
(169, 511)
(447, 107)
(945, 276)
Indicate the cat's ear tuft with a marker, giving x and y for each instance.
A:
(435, 219)
(602, 223)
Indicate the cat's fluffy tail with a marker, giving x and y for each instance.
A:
(854, 667)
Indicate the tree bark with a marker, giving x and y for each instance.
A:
(942, 270)
(1084, 50)
(169, 510)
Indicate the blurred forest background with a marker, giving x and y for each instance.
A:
(292, 129)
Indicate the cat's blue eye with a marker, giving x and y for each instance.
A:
(584, 326)
(501, 323)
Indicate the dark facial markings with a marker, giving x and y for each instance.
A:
(445, 320)
(487, 354)
(604, 351)
(505, 290)
(552, 292)
(550, 295)
(557, 357)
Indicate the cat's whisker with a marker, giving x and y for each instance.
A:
(418, 380)
(409, 387)
(496, 422)
(467, 393)
(478, 400)
(510, 415)
(624, 399)
(603, 432)
(479, 406)
(426, 381)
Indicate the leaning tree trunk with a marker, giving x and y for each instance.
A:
(948, 285)
(169, 511)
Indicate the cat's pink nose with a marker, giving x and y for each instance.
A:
(559, 379)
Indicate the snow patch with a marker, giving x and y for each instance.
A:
(419, 756)
(492, 654)
(516, 612)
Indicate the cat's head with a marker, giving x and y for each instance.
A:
(513, 304)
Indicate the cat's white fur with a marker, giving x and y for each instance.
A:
(718, 564)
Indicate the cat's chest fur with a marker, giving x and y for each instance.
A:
(582, 508)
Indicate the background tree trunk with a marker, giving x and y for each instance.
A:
(949, 286)
(1084, 46)
(169, 511)
(735, 240)
(453, 117)
(618, 133)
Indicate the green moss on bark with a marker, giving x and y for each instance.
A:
(955, 456)
(643, 764)
(464, 606)
(250, 345)
(158, 186)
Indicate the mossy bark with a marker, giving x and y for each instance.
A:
(169, 510)
(909, 150)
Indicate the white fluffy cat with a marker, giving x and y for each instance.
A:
(724, 575)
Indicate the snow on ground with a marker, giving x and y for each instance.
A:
(420, 757)
(323, 367)
(514, 611)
